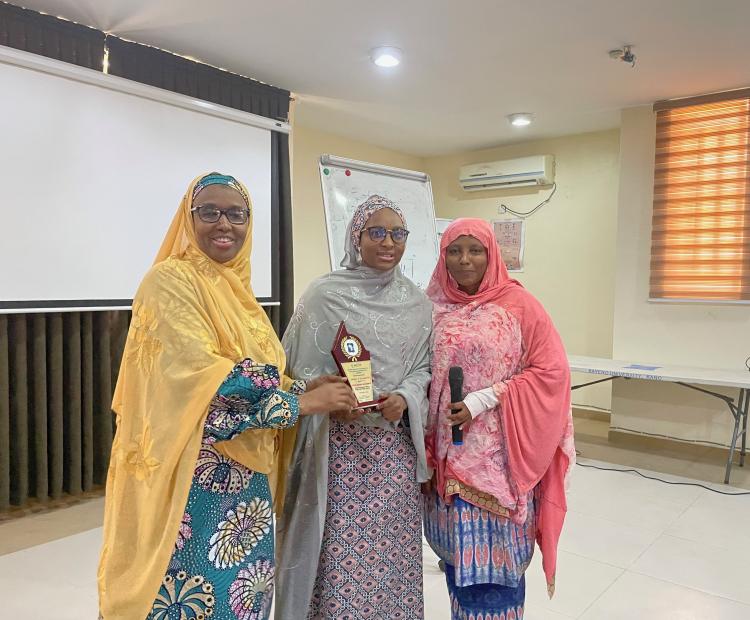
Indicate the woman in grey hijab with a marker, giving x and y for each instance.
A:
(351, 534)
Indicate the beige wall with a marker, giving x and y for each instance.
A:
(310, 241)
(689, 334)
(570, 242)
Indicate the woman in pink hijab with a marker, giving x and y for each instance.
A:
(503, 489)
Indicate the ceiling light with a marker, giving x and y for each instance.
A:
(520, 119)
(386, 56)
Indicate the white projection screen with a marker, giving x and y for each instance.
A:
(92, 171)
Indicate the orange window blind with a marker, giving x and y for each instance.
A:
(700, 244)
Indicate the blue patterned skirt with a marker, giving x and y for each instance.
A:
(485, 558)
(487, 601)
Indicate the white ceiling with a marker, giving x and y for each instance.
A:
(467, 63)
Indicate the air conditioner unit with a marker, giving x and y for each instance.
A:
(535, 170)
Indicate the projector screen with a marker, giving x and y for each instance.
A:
(93, 170)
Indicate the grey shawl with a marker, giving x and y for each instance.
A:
(394, 320)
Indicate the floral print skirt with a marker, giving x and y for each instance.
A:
(222, 566)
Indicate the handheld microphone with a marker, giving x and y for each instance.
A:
(456, 382)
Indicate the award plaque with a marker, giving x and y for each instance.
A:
(353, 362)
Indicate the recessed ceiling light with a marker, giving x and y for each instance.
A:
(386, 56)
(520, 119)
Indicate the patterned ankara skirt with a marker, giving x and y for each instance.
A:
(371, 557)
(487, 601)
(222, 566)
(485, 555)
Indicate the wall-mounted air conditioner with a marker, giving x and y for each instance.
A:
(534, 170)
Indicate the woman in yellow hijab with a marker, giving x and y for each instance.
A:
(200, 401)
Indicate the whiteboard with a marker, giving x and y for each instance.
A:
(92, 176)
(441, 224)
(348, 183)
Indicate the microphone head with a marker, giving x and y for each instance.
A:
(456, 373)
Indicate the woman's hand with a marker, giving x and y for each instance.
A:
(429, 486)
(333, 395)
(393, 407)
(458, 414)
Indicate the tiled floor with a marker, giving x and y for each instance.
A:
(681, 459)
(631, 549)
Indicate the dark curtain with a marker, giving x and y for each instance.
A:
(57, 374)
(156, 67)
(283, 187)
(58, 370)
(52, 37)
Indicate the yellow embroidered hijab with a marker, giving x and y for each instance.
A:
(193, 320)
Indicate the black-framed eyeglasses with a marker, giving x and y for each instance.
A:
(378, 233)
(211, 214)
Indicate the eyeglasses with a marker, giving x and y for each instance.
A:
(211, 214)
(378, 233)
